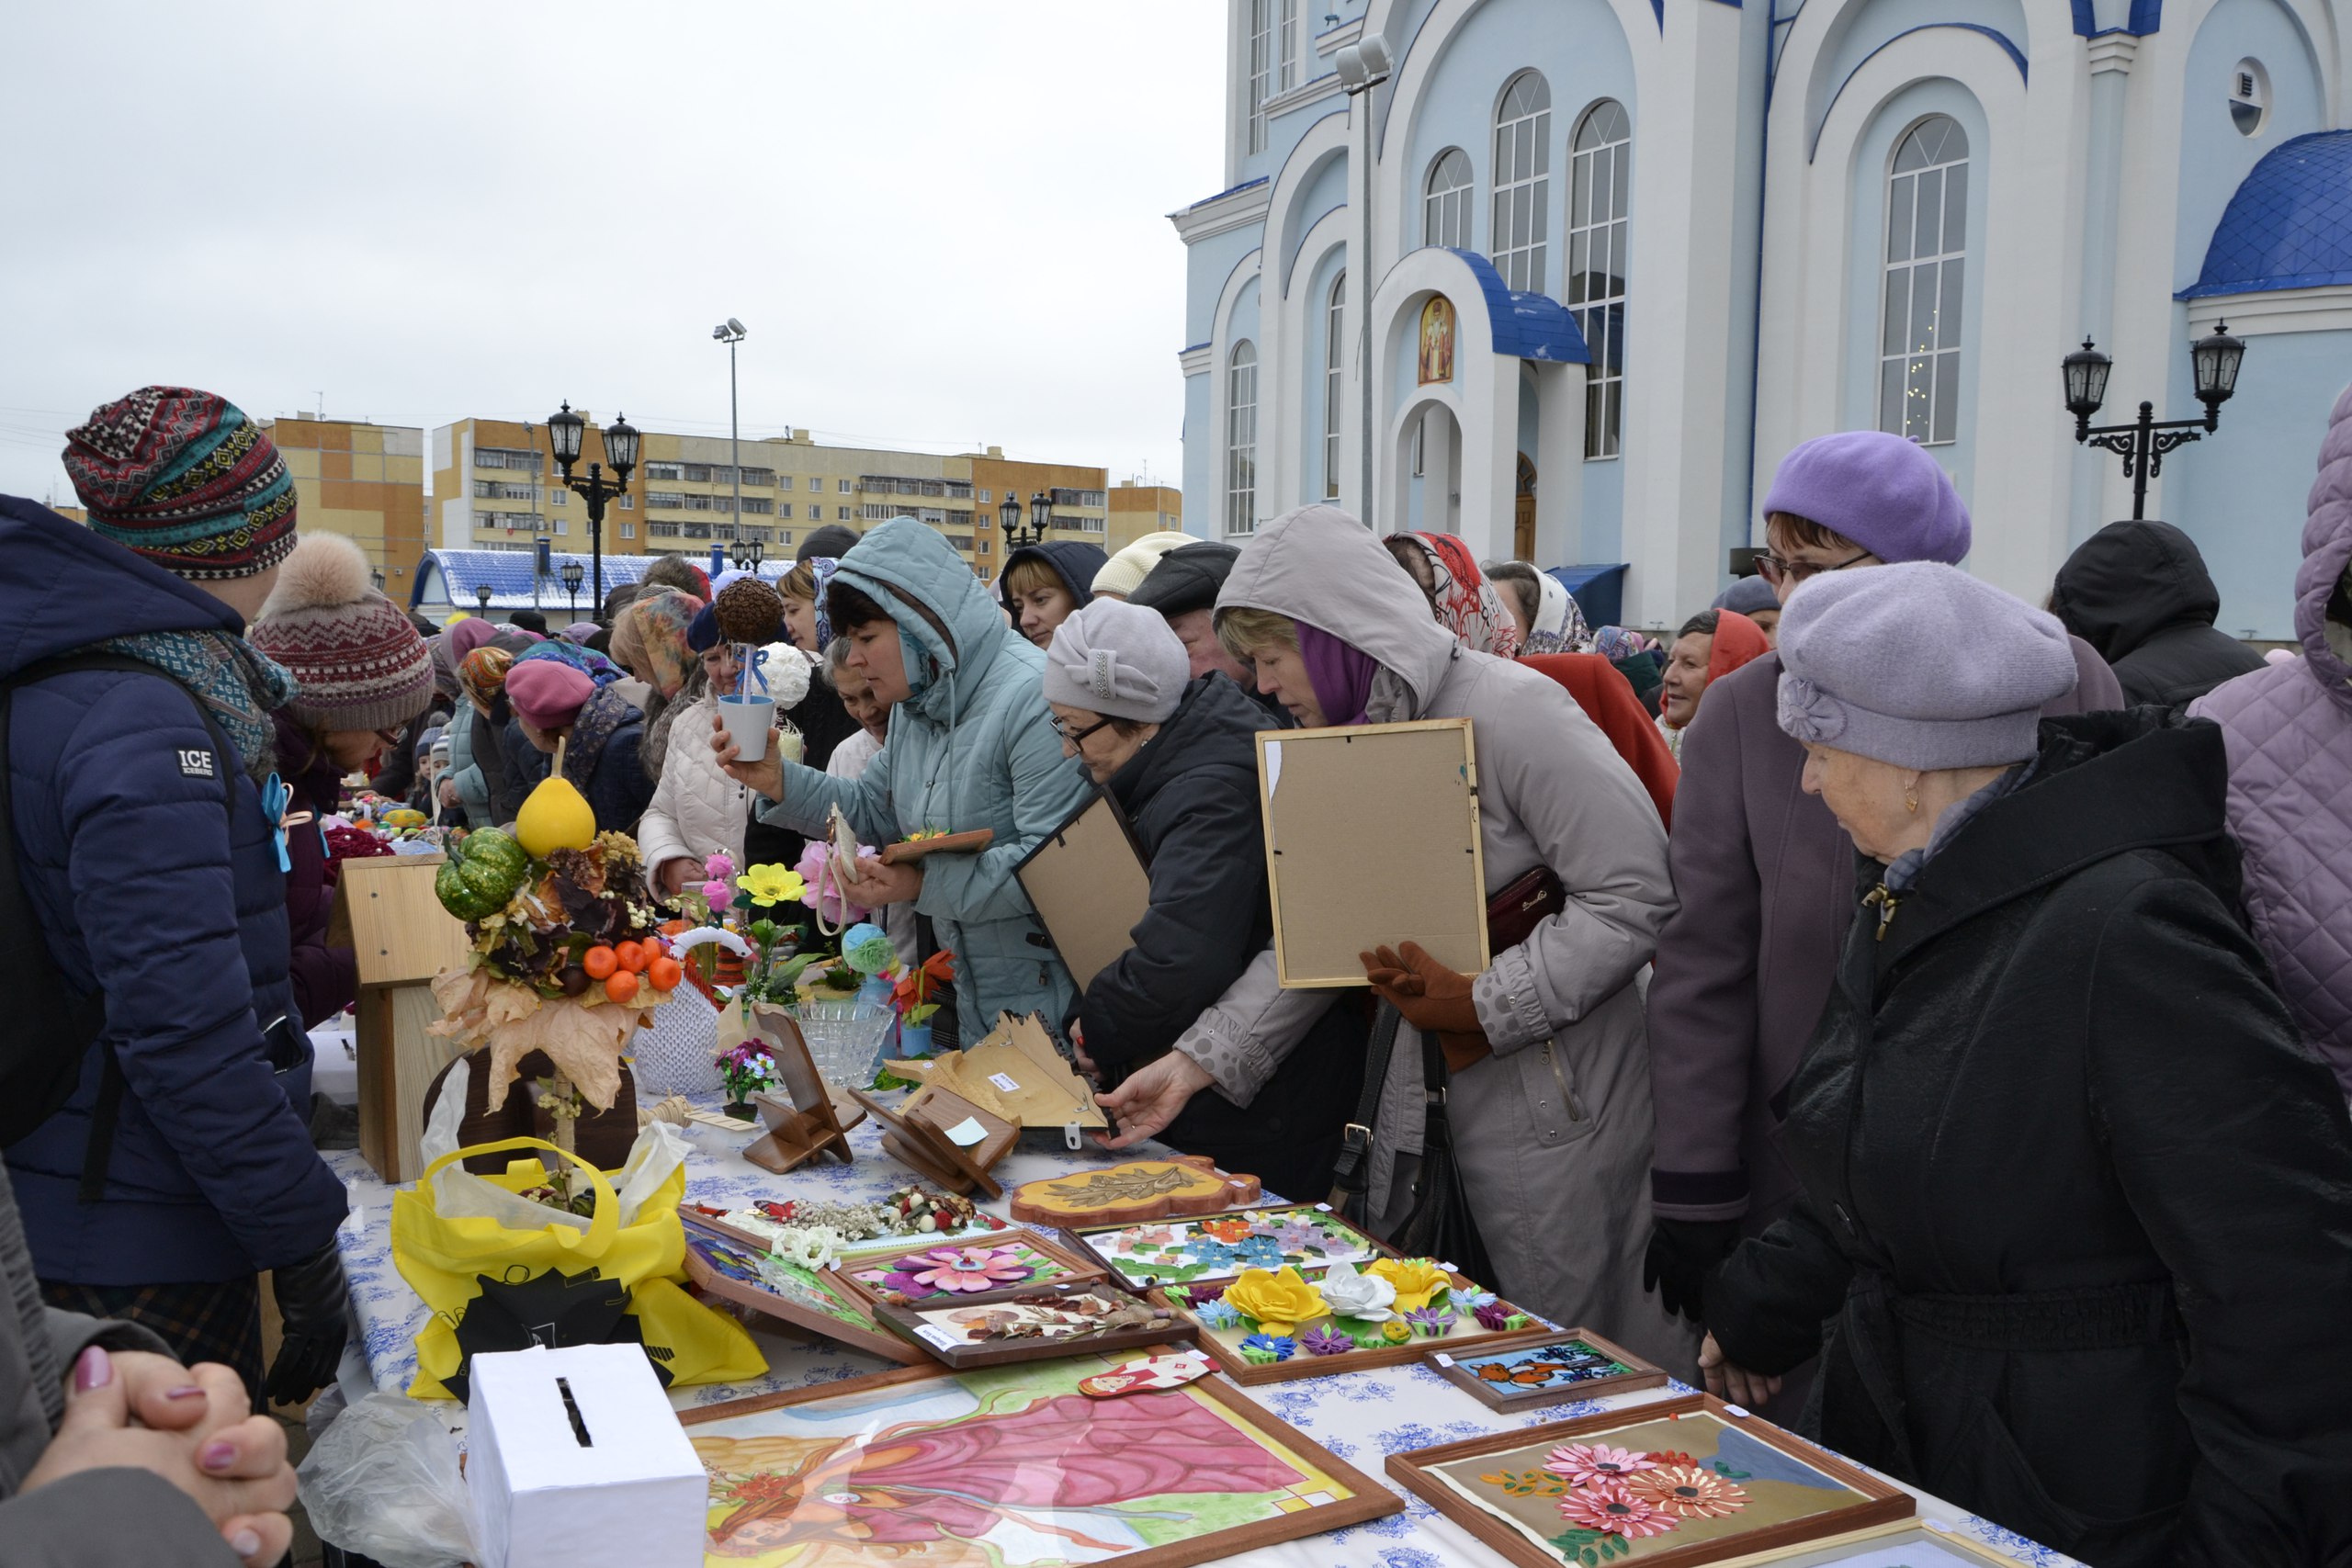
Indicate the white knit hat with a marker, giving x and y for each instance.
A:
(1117, 660)
(1124, 572)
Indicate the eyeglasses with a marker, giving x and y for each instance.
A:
(1070, 739)
(1775, 569)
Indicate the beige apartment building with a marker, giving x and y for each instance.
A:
(363, 481)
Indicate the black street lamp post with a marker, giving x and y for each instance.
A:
(1020, 536)
(482, 597)
(747, 554)
(564, 433)
(572, 575)
(2145, 441)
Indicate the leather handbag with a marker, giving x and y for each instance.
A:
(1514, 914)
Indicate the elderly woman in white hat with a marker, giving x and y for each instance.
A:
(1180, 757)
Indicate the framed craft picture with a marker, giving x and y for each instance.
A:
(1013, 1464)
(1089, 884)
(1907, 1543)
(1578, 1364)
(1678, 1482)
(1344, 879)
(1134, 1192)
(937, 1271)
(723, 1263)
(1220, 1247)
(1025, 1325)
(1275, 1325)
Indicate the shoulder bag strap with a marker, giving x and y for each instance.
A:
(1348, 1173)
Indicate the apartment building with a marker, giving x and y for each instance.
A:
(363, 481)
(1137, 509)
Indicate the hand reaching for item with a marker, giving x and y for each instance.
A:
(877, 883)
(196, 1429)
(765, 777)
(1151, 1097)
(1737, 1384)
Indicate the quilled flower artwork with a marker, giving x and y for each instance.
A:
(1341, 1316)
(1219, 1246)
(959, 1271)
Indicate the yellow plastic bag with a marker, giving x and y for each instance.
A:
(445, 1258)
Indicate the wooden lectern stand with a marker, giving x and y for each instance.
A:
(385, 909)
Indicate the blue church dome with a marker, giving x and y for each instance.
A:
(2290, 225)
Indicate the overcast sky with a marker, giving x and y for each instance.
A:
(941, 222)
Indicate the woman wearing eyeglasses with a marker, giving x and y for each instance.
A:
(1180, 757)
(1763, 873)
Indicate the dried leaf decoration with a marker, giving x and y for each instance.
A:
(585, 1042)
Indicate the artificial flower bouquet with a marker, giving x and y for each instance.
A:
(747, 1069)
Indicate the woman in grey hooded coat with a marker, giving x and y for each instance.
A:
(1553, 1128)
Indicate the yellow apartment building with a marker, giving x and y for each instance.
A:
(1137, 509)
(363, 481)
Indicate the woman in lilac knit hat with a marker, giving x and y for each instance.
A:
(2075, 1242)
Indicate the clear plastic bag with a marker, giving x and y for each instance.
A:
(383, 1482)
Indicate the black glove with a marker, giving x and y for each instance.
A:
(312, 1302)
(1682, 1254)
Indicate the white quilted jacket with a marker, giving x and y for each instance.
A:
(697, 811)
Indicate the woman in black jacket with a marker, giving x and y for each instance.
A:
(2078, 1205)
(1182, 760)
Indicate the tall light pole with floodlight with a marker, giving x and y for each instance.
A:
(730, 332)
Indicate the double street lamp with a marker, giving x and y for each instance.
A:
(571, 574)
(1016, 535)
(2145, 441)
(564, 433)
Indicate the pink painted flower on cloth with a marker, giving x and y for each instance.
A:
(965, 1268)
(1587, 1462)
(1610, 1508)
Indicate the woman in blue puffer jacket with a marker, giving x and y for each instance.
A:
(971, 747)
(153, 879)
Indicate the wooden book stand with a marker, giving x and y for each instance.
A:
(915, 1135)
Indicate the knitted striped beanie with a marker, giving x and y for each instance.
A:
(360, 665)
(186, 479)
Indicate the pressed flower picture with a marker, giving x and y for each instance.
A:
(960, 1270)
(1637, 1485)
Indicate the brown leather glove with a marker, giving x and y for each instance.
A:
(1433, 998)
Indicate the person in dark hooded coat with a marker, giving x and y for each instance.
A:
(2140, 594)
(2077, 1202)
(1044, 585)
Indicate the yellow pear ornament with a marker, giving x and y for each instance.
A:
(556, 816)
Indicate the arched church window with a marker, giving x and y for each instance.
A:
(1600, 164)
(1445, 204)
(1927, 261)
(1241, 439)
(1522, 181)
(1335, 339)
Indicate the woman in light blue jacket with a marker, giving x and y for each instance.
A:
(971, 745)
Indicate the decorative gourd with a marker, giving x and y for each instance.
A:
(480, 875)
(556, 816)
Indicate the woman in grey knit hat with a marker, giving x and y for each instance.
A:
(2077, 1209)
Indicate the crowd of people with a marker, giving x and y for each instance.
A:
(1935, 1033)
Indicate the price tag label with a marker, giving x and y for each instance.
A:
(1445, 1267)
(1005, 1082)
(1322, 1208)
(967, 1133)
(1443, 1359)
(932, 1334)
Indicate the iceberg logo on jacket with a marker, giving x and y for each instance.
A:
(196, 763)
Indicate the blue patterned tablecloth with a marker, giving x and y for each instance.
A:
(1362, 1418)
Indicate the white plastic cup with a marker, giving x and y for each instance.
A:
(749, 721)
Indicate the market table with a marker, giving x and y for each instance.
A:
(1362, 1417)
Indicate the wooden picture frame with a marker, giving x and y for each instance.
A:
(1571, 1379)
(930, 1326)
(720, 1261)
(1343, 879)
(1090, 883)
(969, 843)
(1774, 1470)
(1074, 1268)
(1131, 1252)
(1913, 1539)
(915, 1135)
(887, 1414)
(1303, 1363)
(1134, 1191)
(805, 1121)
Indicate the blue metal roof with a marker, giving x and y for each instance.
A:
(1532, 326)
(452, 577)
(2290, 225)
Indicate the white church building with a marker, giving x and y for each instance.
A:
(1574, 275)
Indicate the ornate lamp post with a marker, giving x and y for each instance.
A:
(2145, 440)
(1020, 536)
(564, 432)
(482, 597)
(747, 554)
(571, 574)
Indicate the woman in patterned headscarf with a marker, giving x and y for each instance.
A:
(1463, 599)
(649, 638)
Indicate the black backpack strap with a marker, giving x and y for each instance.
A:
(1349, 1174)
(87, 1014)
